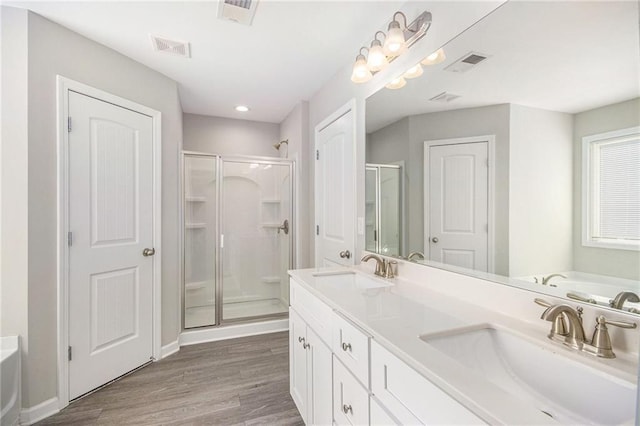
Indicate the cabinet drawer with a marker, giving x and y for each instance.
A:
(409, 396)
(350, 399)
(312, 310)
(351, 346)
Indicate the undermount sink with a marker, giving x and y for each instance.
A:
(346, 279)
(567, 390)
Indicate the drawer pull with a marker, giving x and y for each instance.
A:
(301, 340)
(306, 345)
(346, 347)
(347, 409)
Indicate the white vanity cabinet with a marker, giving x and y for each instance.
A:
(310, 363)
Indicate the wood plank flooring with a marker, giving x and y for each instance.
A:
(232, 382)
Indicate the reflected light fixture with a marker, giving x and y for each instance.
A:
(413, 72)
(394, 43)
(435, 58)
(361, 72)
(376, 59)
(396, 83)
(242, 108)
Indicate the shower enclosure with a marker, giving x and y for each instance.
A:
(383, 208)
(237, 238)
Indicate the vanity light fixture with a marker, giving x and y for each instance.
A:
(413, 72)
(361, 72)
(396, 83)
(242, 108)
(435, 58)
(397, 40)
(377, 60)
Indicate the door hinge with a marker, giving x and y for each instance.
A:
(69, 239)
(69, 124)
(317, 154)
(69, 353)
(317, 229)
(221, 241)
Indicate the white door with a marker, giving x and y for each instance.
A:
(110, 219)
(298, 381)
(335, 193)
(458, 205)
(319, 377)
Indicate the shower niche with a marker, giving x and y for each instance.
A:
(236, 247)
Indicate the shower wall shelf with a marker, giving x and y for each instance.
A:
(195, 225)
(195, 199)
(271, 280)
(271, 225)
(197, 285)
(274, 201)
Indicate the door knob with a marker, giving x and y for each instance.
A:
(346, 254)
(284, 227)
(435, 239)
(148, 252)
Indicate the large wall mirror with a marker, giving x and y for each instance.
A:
(519, 154)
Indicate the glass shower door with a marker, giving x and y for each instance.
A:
(200, 212)
(256, 238)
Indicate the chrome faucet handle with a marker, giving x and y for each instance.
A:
(559, 325)
(581, 299)
(601, 341)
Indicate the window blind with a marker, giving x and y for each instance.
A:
(618, 188)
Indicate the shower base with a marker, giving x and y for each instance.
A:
(205, 315)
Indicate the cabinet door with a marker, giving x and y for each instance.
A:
(350, 398)
(319, 375)
(298, 362)
(380, 416)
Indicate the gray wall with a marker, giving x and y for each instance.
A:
(295, 128)
(619, 263)
(228, 136)
(541, 191)
(54, 50)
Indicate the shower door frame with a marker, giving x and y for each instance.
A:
(219, 220)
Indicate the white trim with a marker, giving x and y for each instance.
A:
(64, 85)
(344, 109)
(193, 337)
(586, 162)
(170, 348)
(31, 415)
(491, 183)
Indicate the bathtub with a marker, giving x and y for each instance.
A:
(600, 289)
(9, 380)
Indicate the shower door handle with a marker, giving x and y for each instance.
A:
(284, 227)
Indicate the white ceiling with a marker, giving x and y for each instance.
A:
(290, 51)
(558, 56)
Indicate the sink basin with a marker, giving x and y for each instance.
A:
(567, 390)
(348, 279)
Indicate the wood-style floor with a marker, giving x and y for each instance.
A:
(233, 382)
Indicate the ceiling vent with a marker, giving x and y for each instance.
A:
(467, 62)
(444, 97)
(173, 47)
(240, 11)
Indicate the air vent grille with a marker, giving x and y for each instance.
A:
(240, 11)
(172, 47)
(444, 97)
(467, 62)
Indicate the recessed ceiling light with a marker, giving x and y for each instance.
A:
(242, 108)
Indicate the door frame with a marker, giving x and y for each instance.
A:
(63, 86)
(344, 109)
(491, 142)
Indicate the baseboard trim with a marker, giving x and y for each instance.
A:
(232, 331)
(29, 416)
(170, 349)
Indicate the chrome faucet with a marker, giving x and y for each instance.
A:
(416, 254)
(545, 280)
(381, 266)
(575, 336)
(623, 296)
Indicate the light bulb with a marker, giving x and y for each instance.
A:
(361, 73)
(396, 83)
(413, 72)
(435, 58)
(242, 108)
(394, 44)
(377, 60)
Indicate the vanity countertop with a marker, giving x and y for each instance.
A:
(397, 315)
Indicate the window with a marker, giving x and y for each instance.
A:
(611, 189)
